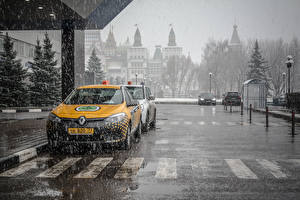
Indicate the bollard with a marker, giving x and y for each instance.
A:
(242, 108)
(293, 123)
(267, 116)
(250, 114)
(231, 107)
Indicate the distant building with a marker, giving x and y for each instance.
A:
(235, 44)
(172, 49)
(137, 58)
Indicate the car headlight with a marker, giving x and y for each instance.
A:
(52, 117)
(142, 107)
(214, 99)
(115, 118)
(201, 99)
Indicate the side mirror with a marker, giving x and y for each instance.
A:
(133, 103)
(152, 97)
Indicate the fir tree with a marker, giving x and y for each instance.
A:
(53, 80)
(12, 76)
(94, 65)
(37, 77)
(258, 68)
(45, 79)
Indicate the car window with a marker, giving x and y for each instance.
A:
(128, 96)
(207, 95)
(233, 94)
(95, 96)
(136, 92)
(148, 92)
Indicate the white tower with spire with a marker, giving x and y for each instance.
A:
(172, 49)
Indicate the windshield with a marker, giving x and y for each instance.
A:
(207, 95)
(136, 92)
(95, 96)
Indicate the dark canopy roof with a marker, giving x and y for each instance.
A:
(50, 14)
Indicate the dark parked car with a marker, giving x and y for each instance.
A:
(232, 98)
(206, 99)
(280, 100)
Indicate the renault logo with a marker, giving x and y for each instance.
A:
(82, 120)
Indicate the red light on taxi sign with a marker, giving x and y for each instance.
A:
(105, 82)
(129, 83)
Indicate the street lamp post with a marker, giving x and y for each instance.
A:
(289, 64)
(136, 78)
(210, 74)
(284, 82)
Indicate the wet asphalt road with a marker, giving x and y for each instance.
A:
(196, 152)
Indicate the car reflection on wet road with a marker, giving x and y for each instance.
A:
(196, 152)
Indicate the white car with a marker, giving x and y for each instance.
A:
(146, 100)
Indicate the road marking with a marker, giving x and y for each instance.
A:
(231, 123)
(215, 123)
(240, 169)
(24, 167)
(244, 123)
(213, 110)
(94, 168)
(188, 123)
(59, 168)
(161, 122)
(166, 169)
(26, 154)
(201, 111)
(35, 110)
(258, 123)
(9, 111)
(174, 123)
(201, 123)
(129, 168)
(273, 167)
(161, 142)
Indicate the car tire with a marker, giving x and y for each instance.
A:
(153, 123)
(127, 142)
(147, 124)
(138, 133)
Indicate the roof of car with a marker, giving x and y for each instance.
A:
(100, 86)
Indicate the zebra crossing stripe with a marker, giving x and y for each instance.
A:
(188, 123)
(201, 123)
(129, 168)
(161, 142)
(24, 167)
(161, 122)
(240, 169)
(174, 123)
(273, 167)
(166, 168)
(215, 123)
(59, 168)
(94, 168)
(230, 123)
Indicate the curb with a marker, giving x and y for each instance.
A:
(21, 156)
(18, 110)
(278, 114)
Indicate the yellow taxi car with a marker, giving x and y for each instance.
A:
(95, 114)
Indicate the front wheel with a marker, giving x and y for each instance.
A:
(146, 126)
(153, 124)
(138, 133)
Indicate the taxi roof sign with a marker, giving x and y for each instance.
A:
(129, 83)
(105, 82)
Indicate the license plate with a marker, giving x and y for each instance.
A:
(81, 131)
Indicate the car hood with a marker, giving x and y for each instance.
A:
(89, 111)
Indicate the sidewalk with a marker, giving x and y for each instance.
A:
(283, 113)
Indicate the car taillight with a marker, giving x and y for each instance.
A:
(239, 97)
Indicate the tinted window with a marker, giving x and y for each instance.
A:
(95, 96)
(207, 95)
(233, 94)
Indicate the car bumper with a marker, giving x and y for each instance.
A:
(204, 102)
(103, 134)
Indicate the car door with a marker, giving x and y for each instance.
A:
(133, 110)
(151, 103)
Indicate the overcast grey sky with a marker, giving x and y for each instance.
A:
(195, 21)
